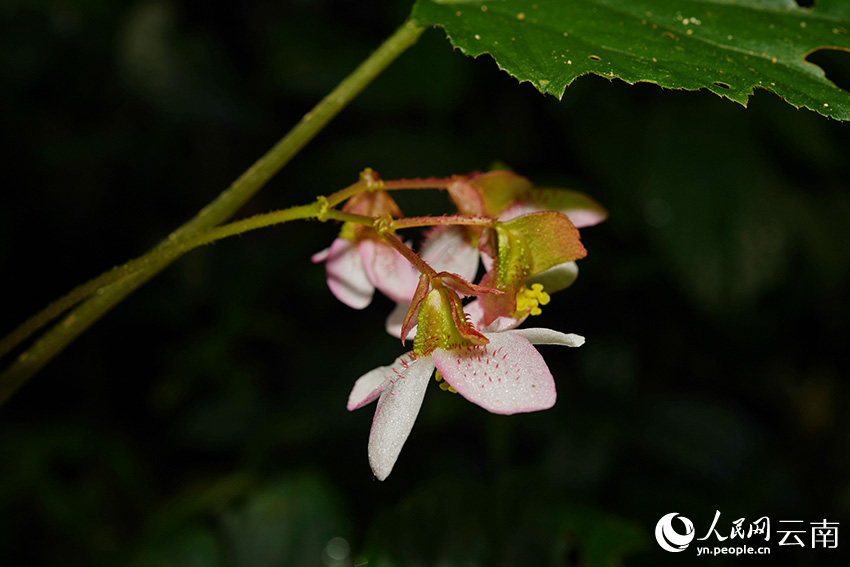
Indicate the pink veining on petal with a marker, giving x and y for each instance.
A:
(346, 277)
(506, 376)
(389, 271)
(369, 386)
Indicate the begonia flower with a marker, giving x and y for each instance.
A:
(505, 195)
(446, 249)
(358, 261)
(356, 267)
(505, 376)
(524, 247)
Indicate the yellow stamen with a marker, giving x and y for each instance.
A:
(530, 300)
(443, 385)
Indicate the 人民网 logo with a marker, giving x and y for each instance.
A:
(668, 538)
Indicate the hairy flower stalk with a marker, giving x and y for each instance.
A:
(527, 240)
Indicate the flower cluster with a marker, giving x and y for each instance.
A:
(527, 241)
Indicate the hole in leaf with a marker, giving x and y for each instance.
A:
(805, 3)
(594, 57)
(721, 85)
(835, 63)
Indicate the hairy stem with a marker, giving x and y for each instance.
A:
(409, 254)
(445, 220)
(218, 211)
(393, 185)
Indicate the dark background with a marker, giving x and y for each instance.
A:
(203, 421)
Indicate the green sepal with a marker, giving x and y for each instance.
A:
(499, 189)
(514, 258)
(548, 239)
(441, 323)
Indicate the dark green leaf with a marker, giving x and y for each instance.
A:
(730, 48)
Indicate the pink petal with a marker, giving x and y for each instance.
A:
(488, 247)
(517, 210)
(389, 271)
(579, 217)
(346, 278)
(584, 217)
(320, 257)
(475, 311)
(506, 376)
(397, 410)
(448, 250)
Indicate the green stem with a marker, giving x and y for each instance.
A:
(28, 363)
(218, 211)
(228, 202)
(167, 252)
(347, 217)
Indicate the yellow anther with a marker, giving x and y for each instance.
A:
(542, 297)
(444, 386)
(530, 300)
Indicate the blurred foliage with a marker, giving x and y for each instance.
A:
(203, 422)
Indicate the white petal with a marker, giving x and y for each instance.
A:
(506, 376)
(541, 336)
(389, 271)
(396, 320)
(449, 251)
(397, 410)
(370, 385)
(555, 278)
(346, 278)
